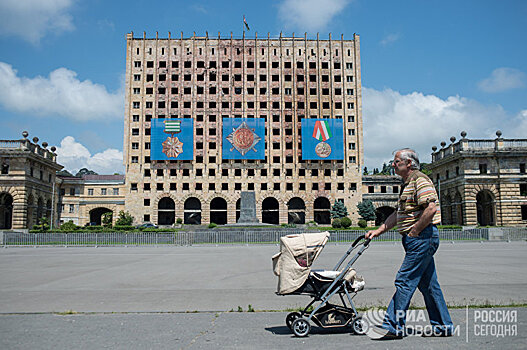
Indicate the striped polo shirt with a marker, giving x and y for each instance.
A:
(416, 193)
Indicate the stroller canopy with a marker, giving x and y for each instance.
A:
(297, 253)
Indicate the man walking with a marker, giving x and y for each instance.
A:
(416, 218)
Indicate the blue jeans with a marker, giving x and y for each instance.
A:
(418, 271)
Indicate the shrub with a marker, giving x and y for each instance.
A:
(43, 224)
(123, 228)
(363, 223)
(94, 228)
(124, 219)
(346, 222)
(212, 225)
(337, 223)
(107, 219)
(68, 226)
(179, 221)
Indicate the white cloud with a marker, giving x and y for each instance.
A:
(62, 94)
(74, 156)
(393, 120)
(503, 79)
(390, 38)
(31, 20)
(309, 15)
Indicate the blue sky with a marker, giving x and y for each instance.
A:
(430, 69)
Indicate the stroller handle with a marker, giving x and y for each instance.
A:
(366, 241)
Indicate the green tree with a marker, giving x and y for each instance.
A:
(68, 226)
(387, 169)
(124, 219)
(107, 219)
(85, 171)
(365, 171)
(367, 210)
(424, 169)
(339, 210)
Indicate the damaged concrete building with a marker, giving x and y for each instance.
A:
(266, 90)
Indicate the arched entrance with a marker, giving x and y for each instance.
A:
(218, 211)
(192, 211)
(382, 213)
(30, 211)
(40, 208)
(459, 209)
(485, 208)
(48, 209)
(96, 215)
(446, 209)
(296, 211)
(270, 211)
(166, 211)
(321, 208)
(6, 211)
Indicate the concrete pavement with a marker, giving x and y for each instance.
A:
(260, 330)
(208, 278)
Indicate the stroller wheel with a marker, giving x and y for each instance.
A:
(291, 317)
(301, 327)
(360, 326)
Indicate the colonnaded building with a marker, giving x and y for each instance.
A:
(207, 118)
(481, 181)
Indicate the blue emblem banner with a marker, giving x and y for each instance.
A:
(172, 139)
(322, 139)
(243, 138)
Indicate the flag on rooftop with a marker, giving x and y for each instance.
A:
(245, 22)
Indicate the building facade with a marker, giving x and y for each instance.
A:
(482, 182)
(27, 183)
(383, 192)
(197, 86)
(83, 200)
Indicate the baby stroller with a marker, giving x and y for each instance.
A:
(295, 277)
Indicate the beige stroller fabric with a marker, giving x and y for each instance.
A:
(293, 264)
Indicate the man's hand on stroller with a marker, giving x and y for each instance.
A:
(388, 224)
(374, 233)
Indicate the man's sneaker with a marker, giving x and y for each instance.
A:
(378, 333)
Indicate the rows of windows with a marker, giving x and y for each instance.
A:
(288, 118)
(383, 189)
(238, 105)
(40, 173)
(238, 64)
(482, 167)
(197, 172)
(212, 90)
(90, 191)
(277, 186)
(238, 51)
(71, 208)
(213, 159)
(238, 77)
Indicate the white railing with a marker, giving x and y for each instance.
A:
(10, 144)
(216, 237)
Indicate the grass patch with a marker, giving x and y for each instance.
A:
(67, 312)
